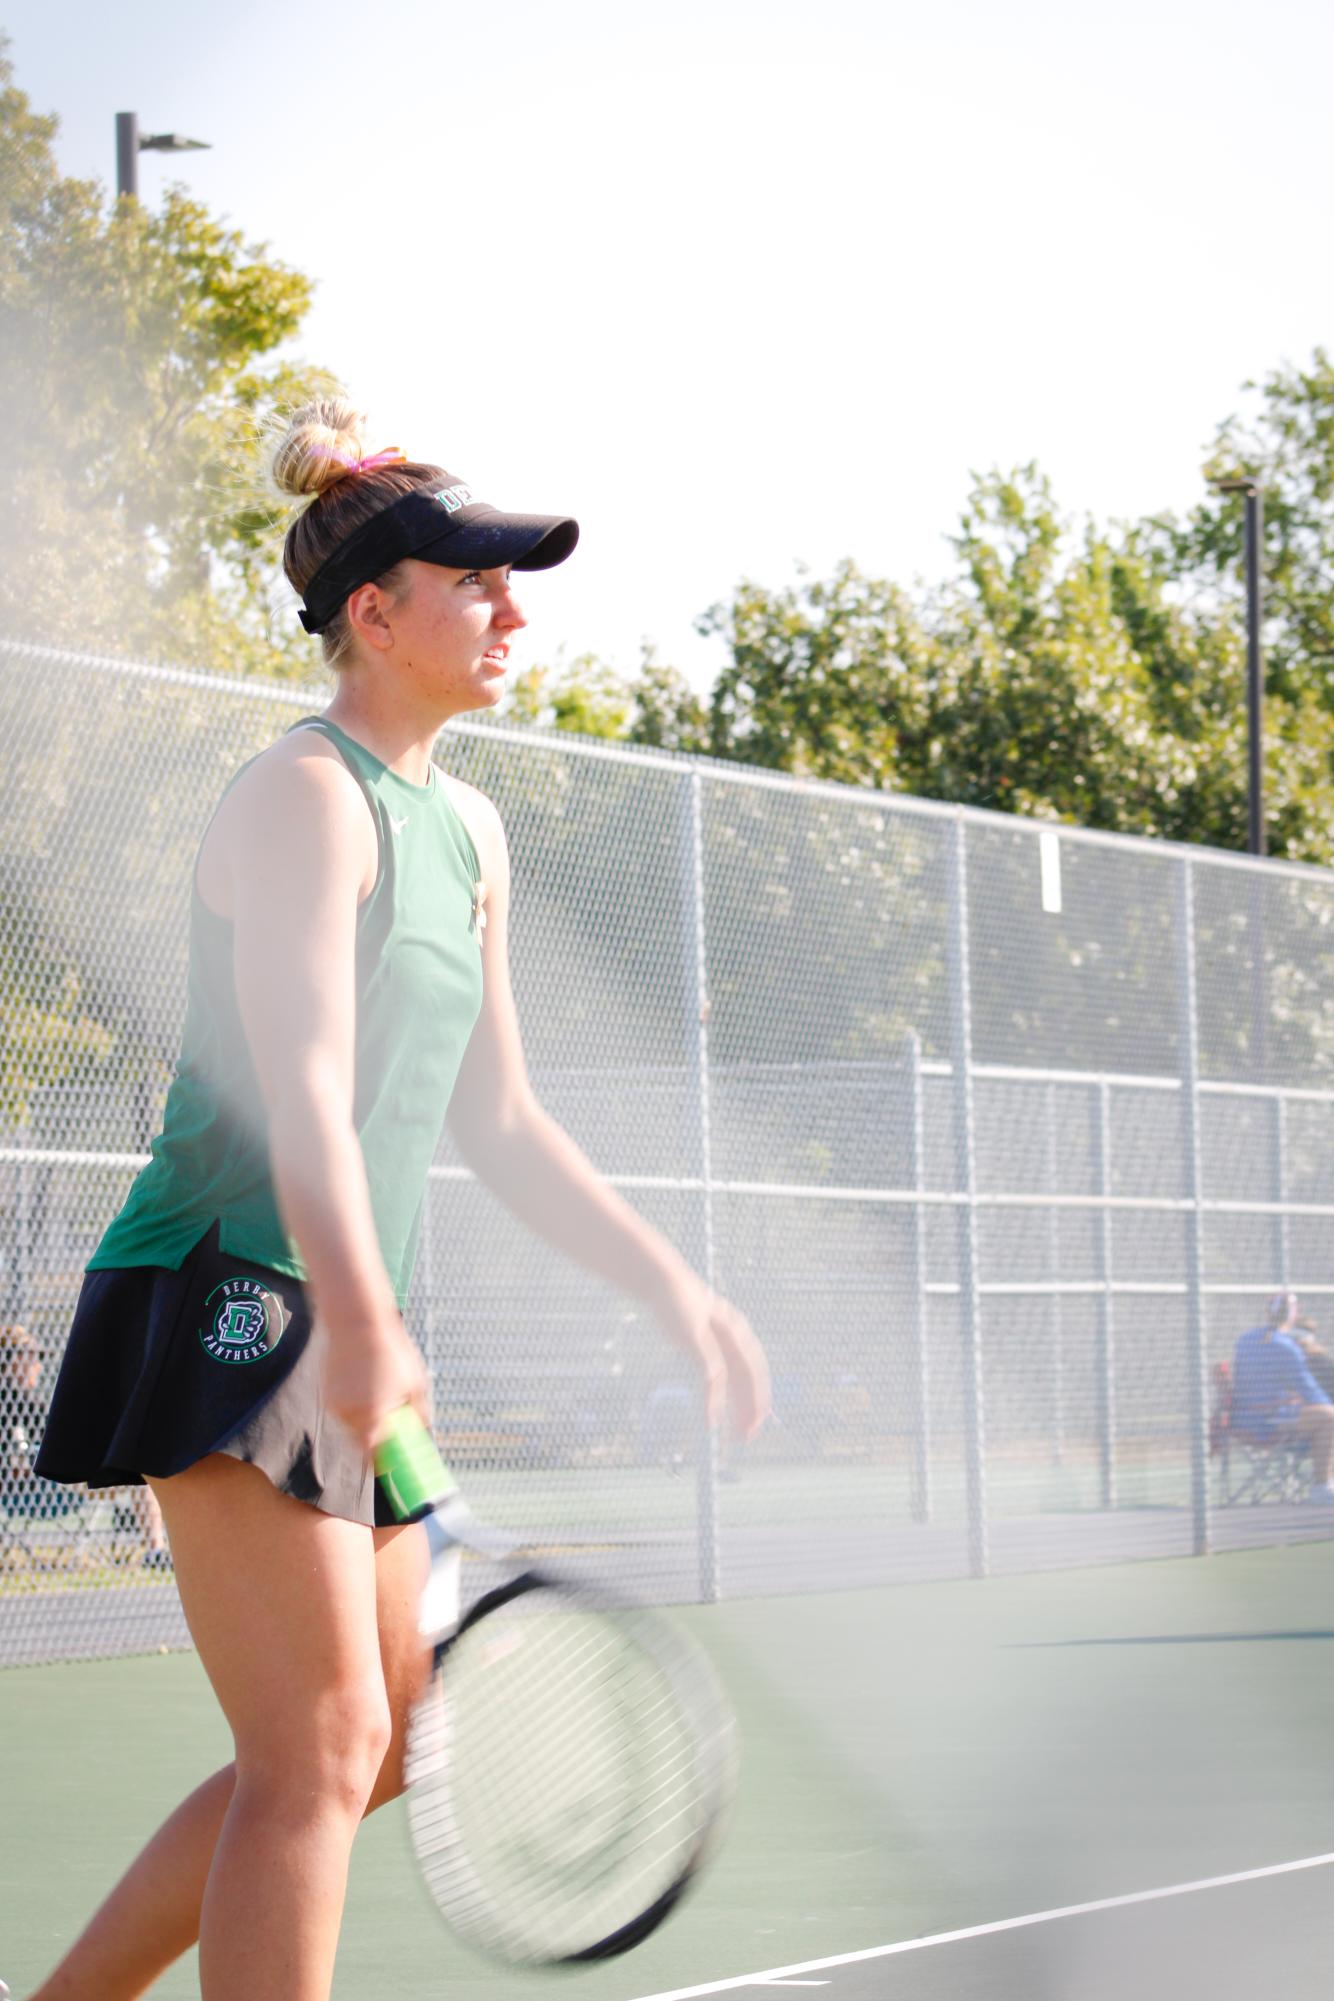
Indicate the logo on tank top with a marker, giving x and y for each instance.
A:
(244, 1321)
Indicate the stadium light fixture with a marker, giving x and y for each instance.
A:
(130, 143)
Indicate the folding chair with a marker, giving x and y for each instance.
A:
(1253, 1470)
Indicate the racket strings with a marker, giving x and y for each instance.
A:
(595, 1749)
(564, 1777)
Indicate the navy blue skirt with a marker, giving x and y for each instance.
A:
(163, 1367)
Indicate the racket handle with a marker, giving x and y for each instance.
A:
(409, 1468)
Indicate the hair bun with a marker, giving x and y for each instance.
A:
(323, 439)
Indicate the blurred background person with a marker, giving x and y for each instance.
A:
(1276, 1398)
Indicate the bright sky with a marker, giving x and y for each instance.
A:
(741, 282)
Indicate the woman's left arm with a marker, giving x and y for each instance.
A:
(550, 1184)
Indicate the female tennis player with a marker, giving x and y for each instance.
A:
(239, 1342)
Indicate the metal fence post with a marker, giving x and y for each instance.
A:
(1054, 1316)
(1197, 1359)
(965, 1182)
(1279, 1194)
(1102, 1140)
(697, 1042)
(916, 1288)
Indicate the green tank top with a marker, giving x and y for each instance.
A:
(419, 990)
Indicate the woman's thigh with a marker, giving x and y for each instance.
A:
(281, 1602)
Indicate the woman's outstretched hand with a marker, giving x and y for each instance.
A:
(724, 1348)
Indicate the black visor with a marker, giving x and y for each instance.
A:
(440, 524)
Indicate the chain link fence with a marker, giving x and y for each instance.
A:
(999, 1133)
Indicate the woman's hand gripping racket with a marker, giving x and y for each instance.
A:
(572, 1758)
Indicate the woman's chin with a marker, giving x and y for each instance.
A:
(483, 694)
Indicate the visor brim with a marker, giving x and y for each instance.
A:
(500, 541)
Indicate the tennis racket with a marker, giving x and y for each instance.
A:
(572, 1759)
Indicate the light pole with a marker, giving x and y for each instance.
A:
(1254, 493)
(130, 144)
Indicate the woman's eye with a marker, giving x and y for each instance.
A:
(472, 577)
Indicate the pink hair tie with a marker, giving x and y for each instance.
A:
(392, 455)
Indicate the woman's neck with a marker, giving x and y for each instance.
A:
(401, 742)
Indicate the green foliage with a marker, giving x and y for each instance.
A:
(666, 713)
(823, 677)
(139, 368)
(46, 1035)
(588, 697)
(137, 373)
(1092, 675)
(583, 696)
(1081, 677)
(1284, 437)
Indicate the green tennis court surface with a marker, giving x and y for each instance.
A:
(921, 1761)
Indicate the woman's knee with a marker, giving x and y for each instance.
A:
(333, 1753)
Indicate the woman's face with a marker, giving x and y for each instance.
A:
(451, 634)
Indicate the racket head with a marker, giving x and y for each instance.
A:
(569, 1768)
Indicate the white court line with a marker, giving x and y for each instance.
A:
(776, 1975)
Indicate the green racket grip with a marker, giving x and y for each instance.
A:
(409, 1468)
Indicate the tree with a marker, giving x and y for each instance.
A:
(140, 361)
(822, 679)
(589, 697)
(137, 372)
(1067, 675)
(666, 713)
(1284, 436)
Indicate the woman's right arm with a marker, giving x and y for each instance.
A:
(296, 847)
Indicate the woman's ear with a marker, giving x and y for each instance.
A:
(367, 617)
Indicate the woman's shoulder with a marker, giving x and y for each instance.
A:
(302, 773)
(481, 817)
(300, 779)
(295, 762)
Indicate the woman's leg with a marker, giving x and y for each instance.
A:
(153, 1914)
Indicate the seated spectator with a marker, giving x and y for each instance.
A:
(1276, 1399)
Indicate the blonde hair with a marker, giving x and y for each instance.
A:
(316, 462)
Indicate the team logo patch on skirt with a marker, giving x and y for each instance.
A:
(244, 1323)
